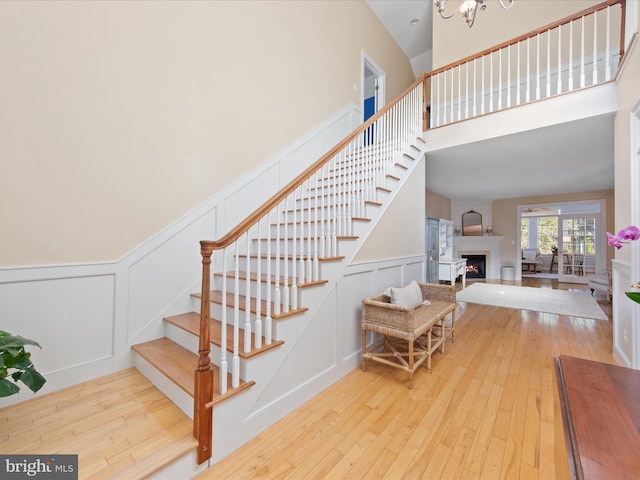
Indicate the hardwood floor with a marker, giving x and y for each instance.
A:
(120, 426)
(489, 409)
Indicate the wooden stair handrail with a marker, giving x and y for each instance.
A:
(253, 218)
(533, 33)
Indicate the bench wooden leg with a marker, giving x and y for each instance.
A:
(364, 350)
(410, 363)
(453, 326)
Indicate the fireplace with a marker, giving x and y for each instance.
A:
(487, 245)
(476, 266)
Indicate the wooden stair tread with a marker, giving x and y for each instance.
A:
(289, 258)
(190, 322)
(305, 222)
(151, 464)
(179, 365)
(216, 297)
(263, 279)
(339, 237)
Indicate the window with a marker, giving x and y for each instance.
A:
(547, 234)
(540, 233)
(524, 233)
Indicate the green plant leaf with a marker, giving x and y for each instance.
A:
(32, 379)
(635, 296)
(8, 341)
(8, 388)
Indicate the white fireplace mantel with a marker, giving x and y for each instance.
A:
(488, 245)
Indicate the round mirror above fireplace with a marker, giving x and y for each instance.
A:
(471, 223)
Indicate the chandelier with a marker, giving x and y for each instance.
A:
(468, 8)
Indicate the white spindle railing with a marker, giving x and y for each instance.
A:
(289, 242)
(560, 47)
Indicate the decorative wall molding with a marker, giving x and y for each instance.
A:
(104, 308)
(625, 329)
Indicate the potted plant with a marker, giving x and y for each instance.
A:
(15, 362)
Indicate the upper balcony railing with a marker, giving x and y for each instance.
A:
(576, 52)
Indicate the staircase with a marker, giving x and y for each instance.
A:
(271, 281)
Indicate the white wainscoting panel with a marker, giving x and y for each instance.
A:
(87, 316)
(171, 270)
(625, 329)
(71, 318)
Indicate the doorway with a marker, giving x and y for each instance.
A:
(569, 239)
(372, 88)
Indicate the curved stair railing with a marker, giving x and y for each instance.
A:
(262, 263)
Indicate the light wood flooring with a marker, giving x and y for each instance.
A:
(489, 409)
(120, 426)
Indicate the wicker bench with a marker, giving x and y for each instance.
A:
(408, 333)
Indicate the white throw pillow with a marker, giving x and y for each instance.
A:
(530, 255)
(407, 296)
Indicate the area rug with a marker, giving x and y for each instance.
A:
(561, 302)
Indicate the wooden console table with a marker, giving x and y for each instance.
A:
(601, 415)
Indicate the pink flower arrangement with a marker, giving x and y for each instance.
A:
(626, 235)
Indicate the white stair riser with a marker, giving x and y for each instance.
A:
(182, 399)
(282, 262)
(254, 287)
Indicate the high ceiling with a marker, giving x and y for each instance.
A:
(569, 157)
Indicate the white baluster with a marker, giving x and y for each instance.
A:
(323, 237)
(518, 76)
(607, 50)
(294, 258)
(309, 262)
(450, 104)
(315, 232)
(257, 331)
(285, 261)
(499, 52)
(559, 87)
(528, 90)
(438, 102)
(491, 82)
(548, 63)
(444, 113)
(459, 92)
(224, 368)
(582, 73)
(538, 73)
(235, 371)
(247, 298)
(570, 85)
(482, 90)
(466, 84)
(277, 293)
(301, 268)
(267, 314)
(475, 89)
(595, 48)
(508, 76)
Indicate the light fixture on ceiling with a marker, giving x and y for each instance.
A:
(414, 22)
(468, 8)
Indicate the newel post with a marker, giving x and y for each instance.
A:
(203, 384)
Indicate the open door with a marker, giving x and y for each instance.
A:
(372, 93)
